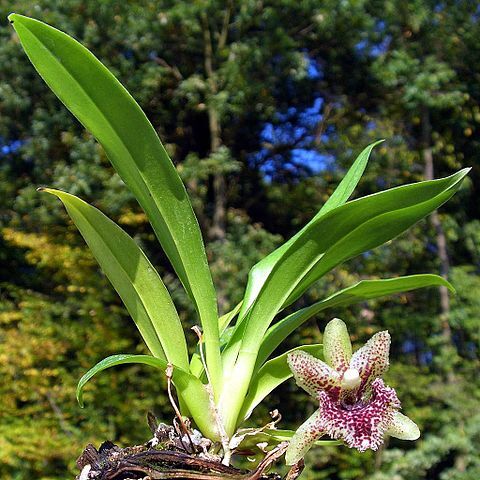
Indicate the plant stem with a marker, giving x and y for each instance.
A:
(235, 389)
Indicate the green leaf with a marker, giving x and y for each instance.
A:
(349, 182)
(259, 273)
(342, 233)
(361, 291)
(272, 374)
(106, 109)
(133, 277)
(225, 320)
(346, 231)
(274, 436)
(191, 389)
(400, 214)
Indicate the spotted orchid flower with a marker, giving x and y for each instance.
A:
(354, 404)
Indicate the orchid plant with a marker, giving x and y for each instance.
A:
(232, 369)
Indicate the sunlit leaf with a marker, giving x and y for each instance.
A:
(272, 374)
(259, 273)
(349, 182)
(342, 233)
(361, 291)
(106, 109)
(192, 390)
(133, 277)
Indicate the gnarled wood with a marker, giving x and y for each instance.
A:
(143, 462)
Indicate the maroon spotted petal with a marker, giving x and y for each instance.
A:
(313, 375)
(363, 424)
(371, 360)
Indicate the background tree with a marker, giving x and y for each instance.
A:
(262, 105)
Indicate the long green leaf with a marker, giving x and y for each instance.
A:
(104, 107)
(273, 435)
(361, 291)
(348, 230)
(260, 271)
(133, 277)
(372, 233)
(191, 389)
(357, 226)
(272, 374)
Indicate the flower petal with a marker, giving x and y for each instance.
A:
(303, 439)
(361, 425)
(403, 428)
(371, 360)
(337, 347)
(312, 374)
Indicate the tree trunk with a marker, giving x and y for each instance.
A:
(440, 237)
(218, 228)
(219, 221)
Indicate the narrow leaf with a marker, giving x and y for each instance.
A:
(361, 291)
(133, 277)
(349, 182)
(374, 232)
(357, 226)
(106, 109)
(259, 273)
(191, 389)
(272, 374)
(346, 231)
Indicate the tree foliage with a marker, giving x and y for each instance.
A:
(260, 105)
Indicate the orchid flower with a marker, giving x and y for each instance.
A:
(354, 404)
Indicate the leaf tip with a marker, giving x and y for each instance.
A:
(42, 189)
(452, 289)
(463, 173)
(11, 17)
(374, 144)
(80, 401)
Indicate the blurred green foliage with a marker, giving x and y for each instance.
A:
(382, 69)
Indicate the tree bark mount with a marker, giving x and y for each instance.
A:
(145, 462)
